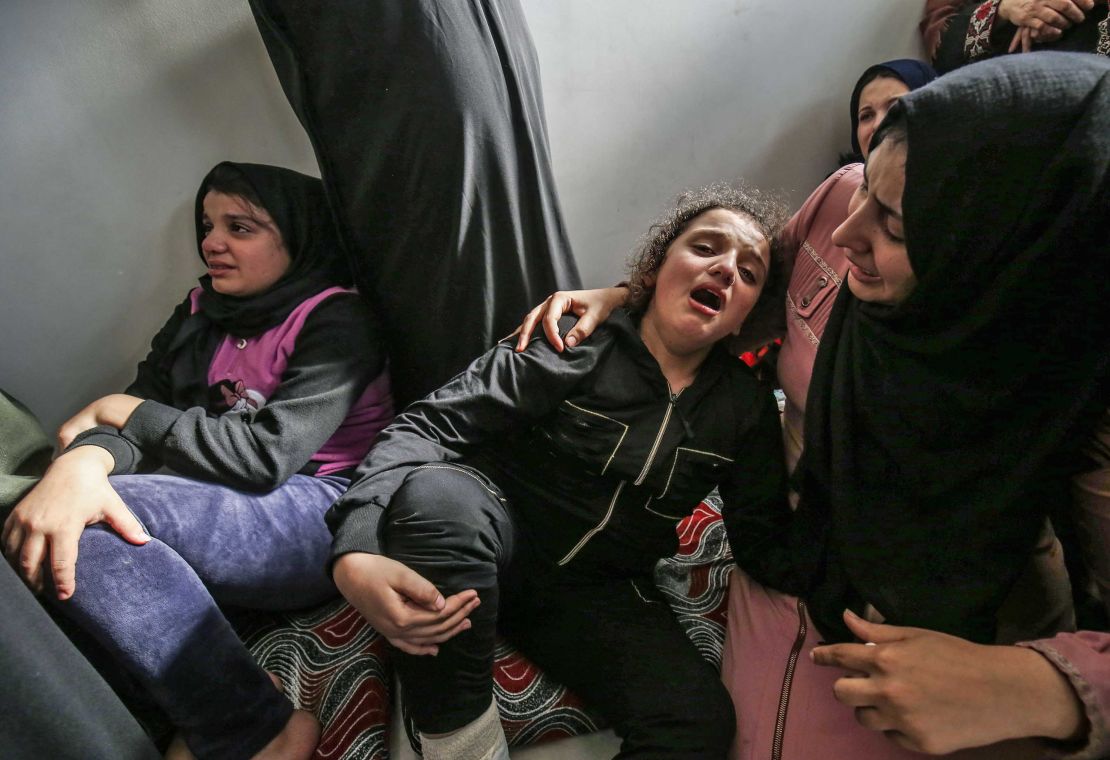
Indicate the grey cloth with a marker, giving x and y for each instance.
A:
(24, 451)
(54, 704)
(427, 122)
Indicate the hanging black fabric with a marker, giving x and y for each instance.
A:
(427, 122)
(940, 432)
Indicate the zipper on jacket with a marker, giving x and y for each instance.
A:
(596, 529)
(787, 681)
(671, 399)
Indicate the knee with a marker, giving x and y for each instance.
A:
(445, 511)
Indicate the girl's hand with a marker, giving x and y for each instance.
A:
(113, 410)
(401, 604)
(75, 492)
(935, 693)
(592, 306)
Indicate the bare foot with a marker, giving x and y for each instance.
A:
(178, 750)
(297, 741)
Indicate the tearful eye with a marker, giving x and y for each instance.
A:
(707, 298)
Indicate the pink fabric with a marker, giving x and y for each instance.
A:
(1084, 657)
(255, 367)
(762, 628)
(809, 297)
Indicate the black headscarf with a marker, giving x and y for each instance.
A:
(940, 432)
(910, 71)
(299, 209)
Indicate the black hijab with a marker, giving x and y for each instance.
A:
(940, 432)
(299, 209)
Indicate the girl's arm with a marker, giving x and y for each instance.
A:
(499, 393)
(336, 355)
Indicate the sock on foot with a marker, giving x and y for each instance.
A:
(481, 739)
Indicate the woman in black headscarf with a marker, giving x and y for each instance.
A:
(261, 393)
(960, 379)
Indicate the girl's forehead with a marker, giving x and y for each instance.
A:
(729, 223)
(222, 204)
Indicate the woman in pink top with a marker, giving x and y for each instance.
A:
(260, 395)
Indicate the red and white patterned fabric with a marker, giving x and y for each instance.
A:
(332, 663)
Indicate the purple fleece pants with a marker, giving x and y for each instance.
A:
(154, 608)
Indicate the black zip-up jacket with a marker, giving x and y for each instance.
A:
(597, 458)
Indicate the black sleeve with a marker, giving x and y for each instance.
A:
(128, 457)
(337, 353)
(755, 507)
(499, 392)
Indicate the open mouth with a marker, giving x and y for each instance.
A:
(707, 298)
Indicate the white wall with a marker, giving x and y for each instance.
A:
(111, 111)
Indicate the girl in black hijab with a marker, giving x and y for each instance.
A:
(260, 394)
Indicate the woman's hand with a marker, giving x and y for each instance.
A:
(400, 604)
(74, 493)
(935, 693)
(1046, 20)
(114, 410)
(591, 306)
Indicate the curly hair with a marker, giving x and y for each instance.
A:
(765, 321)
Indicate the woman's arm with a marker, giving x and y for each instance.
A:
(939, 693)
(935, 693)
(983, 28)
(591, 306)
(336, 355)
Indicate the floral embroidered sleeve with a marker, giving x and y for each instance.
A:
(971, 33)
(977, 44)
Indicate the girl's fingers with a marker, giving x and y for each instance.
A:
(439, 627)
(30, 560)
(455, 630)
(63, 563)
